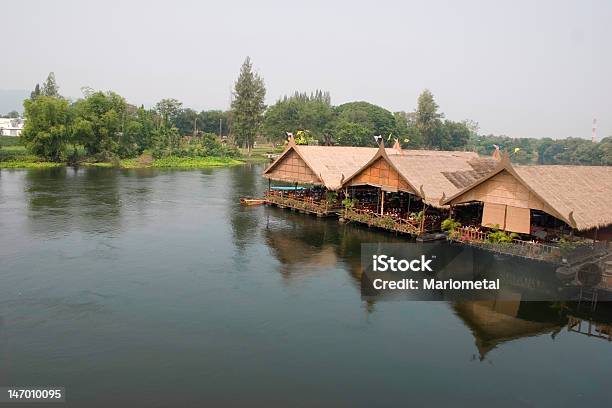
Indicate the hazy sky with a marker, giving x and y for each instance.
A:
(525, 69)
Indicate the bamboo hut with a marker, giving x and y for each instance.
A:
(403, 183)
(532, 199)
(321, 168)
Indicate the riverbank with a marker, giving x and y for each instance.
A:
(16, 157)
(170, 162)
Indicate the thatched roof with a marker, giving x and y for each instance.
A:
(434, 173)
(579, 195)
(332, 164)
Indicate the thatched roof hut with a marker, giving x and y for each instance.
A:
(429, 174)
(578, 195)
(320, 165)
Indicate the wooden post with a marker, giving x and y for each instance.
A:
(422, 228)
(382, 202)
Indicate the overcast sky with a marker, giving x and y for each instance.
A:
(525, 69)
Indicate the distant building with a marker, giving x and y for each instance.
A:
(11, 126)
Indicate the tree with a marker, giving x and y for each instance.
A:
(100, 122)
(457, 135)
(300, 112)
(36, 92)
(348, 133)
(50, 87)
(47, 126)
(429, 120)
(369, 120)
(168, 110)
(186, 121)
(12, 114)
(248, 105)
(208, 121)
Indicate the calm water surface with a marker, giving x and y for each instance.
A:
(156, 288)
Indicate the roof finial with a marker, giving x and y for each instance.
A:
(397, 146)
(571, 219)
(496, 155)
(290, 139)
(422, 192)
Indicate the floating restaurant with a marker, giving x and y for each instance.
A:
(536, 212)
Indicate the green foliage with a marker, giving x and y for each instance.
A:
(168, 111)
(349, 203)
(303, 137)
(300, 112)
(207, 145)
(47, 126)
(36, 92)
(248, 105)
(331, 197)
(100, 121)
(574, 151)
(50, 87)
(180, 162)
(417, 216)
(429, 120)
(450, 225)
(11, 115)
(497, 236)
(10, 141)
(358, 122)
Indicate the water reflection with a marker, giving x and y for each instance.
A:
(245, 182)
(62, 200)
(306, 245)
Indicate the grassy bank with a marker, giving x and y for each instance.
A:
(260, 153)
(170, 162)
(17, 157)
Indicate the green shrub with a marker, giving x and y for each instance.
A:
(450, 225)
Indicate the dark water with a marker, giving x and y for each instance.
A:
(156, 288)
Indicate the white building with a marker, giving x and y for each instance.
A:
(11, 127)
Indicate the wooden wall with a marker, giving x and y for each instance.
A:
(381, 174)
(292, 168)
(503, 191)
(503, 188)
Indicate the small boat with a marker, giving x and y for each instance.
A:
(252, 201)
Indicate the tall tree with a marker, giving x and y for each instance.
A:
(168, 110)
(429, 120)
(248, 105)
(36, 92)
(50, 87)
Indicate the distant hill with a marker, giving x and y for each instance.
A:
(12, 99)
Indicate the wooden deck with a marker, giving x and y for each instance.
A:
(382, 221)
(519, 248)
(306, 206)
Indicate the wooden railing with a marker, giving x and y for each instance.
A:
(301, 203)
(516, 247)
(388, 222)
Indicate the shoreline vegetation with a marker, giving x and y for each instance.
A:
(17, 157)
(102, 129)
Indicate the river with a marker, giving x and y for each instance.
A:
(156, 288)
